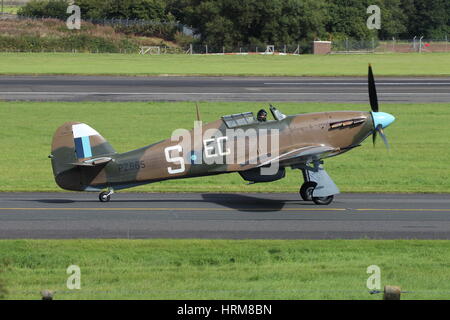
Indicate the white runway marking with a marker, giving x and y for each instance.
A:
(216, 93)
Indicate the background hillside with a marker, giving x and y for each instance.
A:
(231, 22)
(51, 34)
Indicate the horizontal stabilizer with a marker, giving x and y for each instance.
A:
(93, 162)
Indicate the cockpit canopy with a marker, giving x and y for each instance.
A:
(246, 118)
(239, 119)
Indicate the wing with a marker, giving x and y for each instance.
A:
(303, 154)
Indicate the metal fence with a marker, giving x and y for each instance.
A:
(346, 46)
(245, 49)
(416, 44)
(383, 47)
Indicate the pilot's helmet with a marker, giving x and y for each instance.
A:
(262, 115)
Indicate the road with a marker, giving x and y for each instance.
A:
(228, 216)
(277, 89)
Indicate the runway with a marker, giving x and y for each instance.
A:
(227, 216)
(276, 89)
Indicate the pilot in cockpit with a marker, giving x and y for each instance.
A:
(262, 115)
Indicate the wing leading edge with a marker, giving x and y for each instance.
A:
(305, 154)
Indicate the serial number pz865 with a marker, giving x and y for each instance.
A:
(131, 166)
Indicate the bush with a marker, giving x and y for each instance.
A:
(183, 40)
(78, 42)
(161, 30)
(46, 8)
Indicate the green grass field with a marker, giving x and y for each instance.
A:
(418, 161)
(223, 269)
(434, 64)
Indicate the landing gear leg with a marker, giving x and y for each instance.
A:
(318, 186)
(105, 196)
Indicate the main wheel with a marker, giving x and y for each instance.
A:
(306, 190)
(104, 196)
(323, 201)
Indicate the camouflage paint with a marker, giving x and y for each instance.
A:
(338, 131)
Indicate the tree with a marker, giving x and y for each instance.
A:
(393, 19)
(48, 8)
(428, 18)
(257, 22)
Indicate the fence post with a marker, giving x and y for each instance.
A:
(346, 45)
(206, 47)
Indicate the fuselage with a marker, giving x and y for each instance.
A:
(209, 153)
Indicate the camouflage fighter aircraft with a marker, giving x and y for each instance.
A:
(83, 160)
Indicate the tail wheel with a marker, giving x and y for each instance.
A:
(104, 196)
(323, 201)
(306, 190)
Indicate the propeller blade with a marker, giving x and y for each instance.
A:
(383, 136)
(379, 129)
(372, 91)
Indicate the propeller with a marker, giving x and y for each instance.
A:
(372, 91)
(380, 119)
(379, 129)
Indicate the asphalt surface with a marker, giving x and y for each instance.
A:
(297, 89)
(229, 216)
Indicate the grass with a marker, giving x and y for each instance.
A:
(403, 64)
(418, 161)
(224, 269)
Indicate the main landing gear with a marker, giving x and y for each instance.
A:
(105, 196)
(318, 186)
(306, 192)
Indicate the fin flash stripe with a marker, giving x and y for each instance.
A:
(83, 147)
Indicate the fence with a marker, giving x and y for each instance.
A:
(347, 46)
(416, 44)
(383, 46)
(246, 49)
